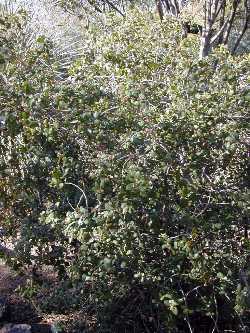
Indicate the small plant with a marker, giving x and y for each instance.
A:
(29, 290)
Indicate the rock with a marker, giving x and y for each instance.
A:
(41, 328)
(2, 231)
(21, 328)
(24, 328)
(20, 311)
(2, 307)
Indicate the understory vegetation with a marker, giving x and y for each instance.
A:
(127, 171)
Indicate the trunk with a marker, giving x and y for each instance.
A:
(159, 9)
(205, 46)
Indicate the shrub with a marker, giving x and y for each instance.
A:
(131, 172)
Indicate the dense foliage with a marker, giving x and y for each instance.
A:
(128, 172)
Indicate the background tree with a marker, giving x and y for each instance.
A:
(221, 17)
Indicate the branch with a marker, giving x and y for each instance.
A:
(244, 29)
(231, 20)
(222, 21)
(95, 6)
(113, 7)
(221, 7)
(159, 9)
(220, 32)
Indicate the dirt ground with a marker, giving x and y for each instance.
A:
(20, 310)
(9, 280)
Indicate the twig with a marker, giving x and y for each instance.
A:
(82, 196)
(217, 317)
(187, 317)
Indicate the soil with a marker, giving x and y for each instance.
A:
(9, 281)
(18, 309)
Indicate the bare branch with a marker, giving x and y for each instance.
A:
(219, 33)
(95, 6)
(159, 9)
(231, 20)
(245, 26)
(113, 6)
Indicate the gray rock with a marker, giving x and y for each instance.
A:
(21, 328)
